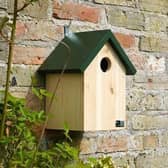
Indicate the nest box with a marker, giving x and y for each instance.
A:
(91, 93)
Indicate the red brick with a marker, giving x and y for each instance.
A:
(87, 146)
(150, 141)
(76, 11)
(139, 61)
(127, 41)
(20, 29)
(38, 30)
(29, 55)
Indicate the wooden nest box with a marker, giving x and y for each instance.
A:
(91, 93)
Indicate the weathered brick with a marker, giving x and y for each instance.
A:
(139, 99)
(112, 144)
(117, 2)
(151, 81)
(127, 41)
(155, 6)
(19, 91)
(38, 30)
(153, 44)
(150, 141)
(157, 86)
(37, 10)
(139, 61)
(87, 146)
(75, 11)
(163, 139)
(124, 161)
(152, 160)
(2, 75)
(165, 101)
(142, 122)
(156, 64)
(3, 51)
(123, 18)
(142, 77)
(79, 28)
(135, 142)
(29, 55)
(5, 29)
(153, 101)
(23, 74)
(3, 4)
(129, 82)
(135, 99)
(155, 23)
(21, 29)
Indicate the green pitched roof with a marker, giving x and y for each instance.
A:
(84, 47)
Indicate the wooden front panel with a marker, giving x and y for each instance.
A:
(68, 103)
(104, 92)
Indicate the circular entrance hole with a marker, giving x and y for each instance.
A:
(105, 64)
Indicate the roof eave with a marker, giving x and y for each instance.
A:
(60, 71)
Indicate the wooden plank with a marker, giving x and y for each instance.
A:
(68, 105)
(90, 100)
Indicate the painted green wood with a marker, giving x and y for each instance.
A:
(84, 46)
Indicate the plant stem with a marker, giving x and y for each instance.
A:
(10, 55)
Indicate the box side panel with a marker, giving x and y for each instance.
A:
(67, 106)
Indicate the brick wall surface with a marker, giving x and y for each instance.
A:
(141, 26)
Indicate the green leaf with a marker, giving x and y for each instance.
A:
(45, 93)
(66, 132)
(41, 93)
(41, 115)
(37, 93)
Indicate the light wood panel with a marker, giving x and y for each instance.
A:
(104, 92)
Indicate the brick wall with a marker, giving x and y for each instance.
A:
(141, 26)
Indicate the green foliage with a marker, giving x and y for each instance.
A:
(19, 142)
(41, 93)
(103, 162)
(66, 132)
(19, 145)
